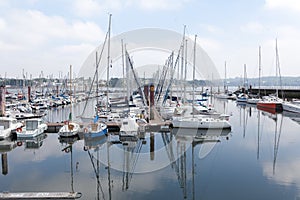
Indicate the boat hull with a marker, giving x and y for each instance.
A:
(270, 106)
(291, 107)
(205, 123)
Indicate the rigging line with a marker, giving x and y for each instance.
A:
(172, 77)
(276, 145)
(97, 66)
(97, 175)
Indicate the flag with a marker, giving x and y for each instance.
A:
(70, 116)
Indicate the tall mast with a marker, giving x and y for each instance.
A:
(108, 60)
(225, 80)
(185, 70)
(123, 64)
(71, 108)
(182, 59)
(194, 66)
(97, 82)
(259, 69)
(245, 75)
(278, 72)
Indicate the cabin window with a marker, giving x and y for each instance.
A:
(31, 125)
(4, 125)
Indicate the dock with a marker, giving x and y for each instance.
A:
(40, 195)
(157, 124)
(54, 127)
(287, 93)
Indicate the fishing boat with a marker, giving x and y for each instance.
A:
(8, 125)
(33, 128)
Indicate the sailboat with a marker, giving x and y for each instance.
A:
(271, 103)
(70, 128)
(227, 94)
(95, 129)
(199, 121)
(254, 99)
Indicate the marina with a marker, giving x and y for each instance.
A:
(177, 160)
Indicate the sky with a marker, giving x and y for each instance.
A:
(44, 38)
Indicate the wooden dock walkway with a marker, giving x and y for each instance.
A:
(155, 125)
(40, 195)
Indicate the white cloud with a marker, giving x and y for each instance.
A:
(161, 4)
(252, 27)
(212, 29)
(86, 8)
(293, 5)
(285, 173)
(89, 8)
(32, 36)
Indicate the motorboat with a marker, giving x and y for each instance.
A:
(129, 129)
(33, 128)
(8, 125)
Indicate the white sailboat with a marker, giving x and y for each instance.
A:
(200, 121)
(291, 107)
(255, 99)
(70, 128)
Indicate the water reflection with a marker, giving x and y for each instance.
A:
(259, 159)
(6, 146)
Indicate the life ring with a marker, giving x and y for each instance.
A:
(19, 144)
(19, 129)
(67, 150)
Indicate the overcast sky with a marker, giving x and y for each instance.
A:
(49, 35)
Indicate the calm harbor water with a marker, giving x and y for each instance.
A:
(258, 159)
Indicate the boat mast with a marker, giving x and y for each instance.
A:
(194, 66)
(97, 86)
(182, 61)
(70, 115)
(123, 65)
(259, 69)
(108, 60)
(278, 72)
(185, 70)
(225, 80)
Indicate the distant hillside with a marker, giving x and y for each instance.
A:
(265, 81)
